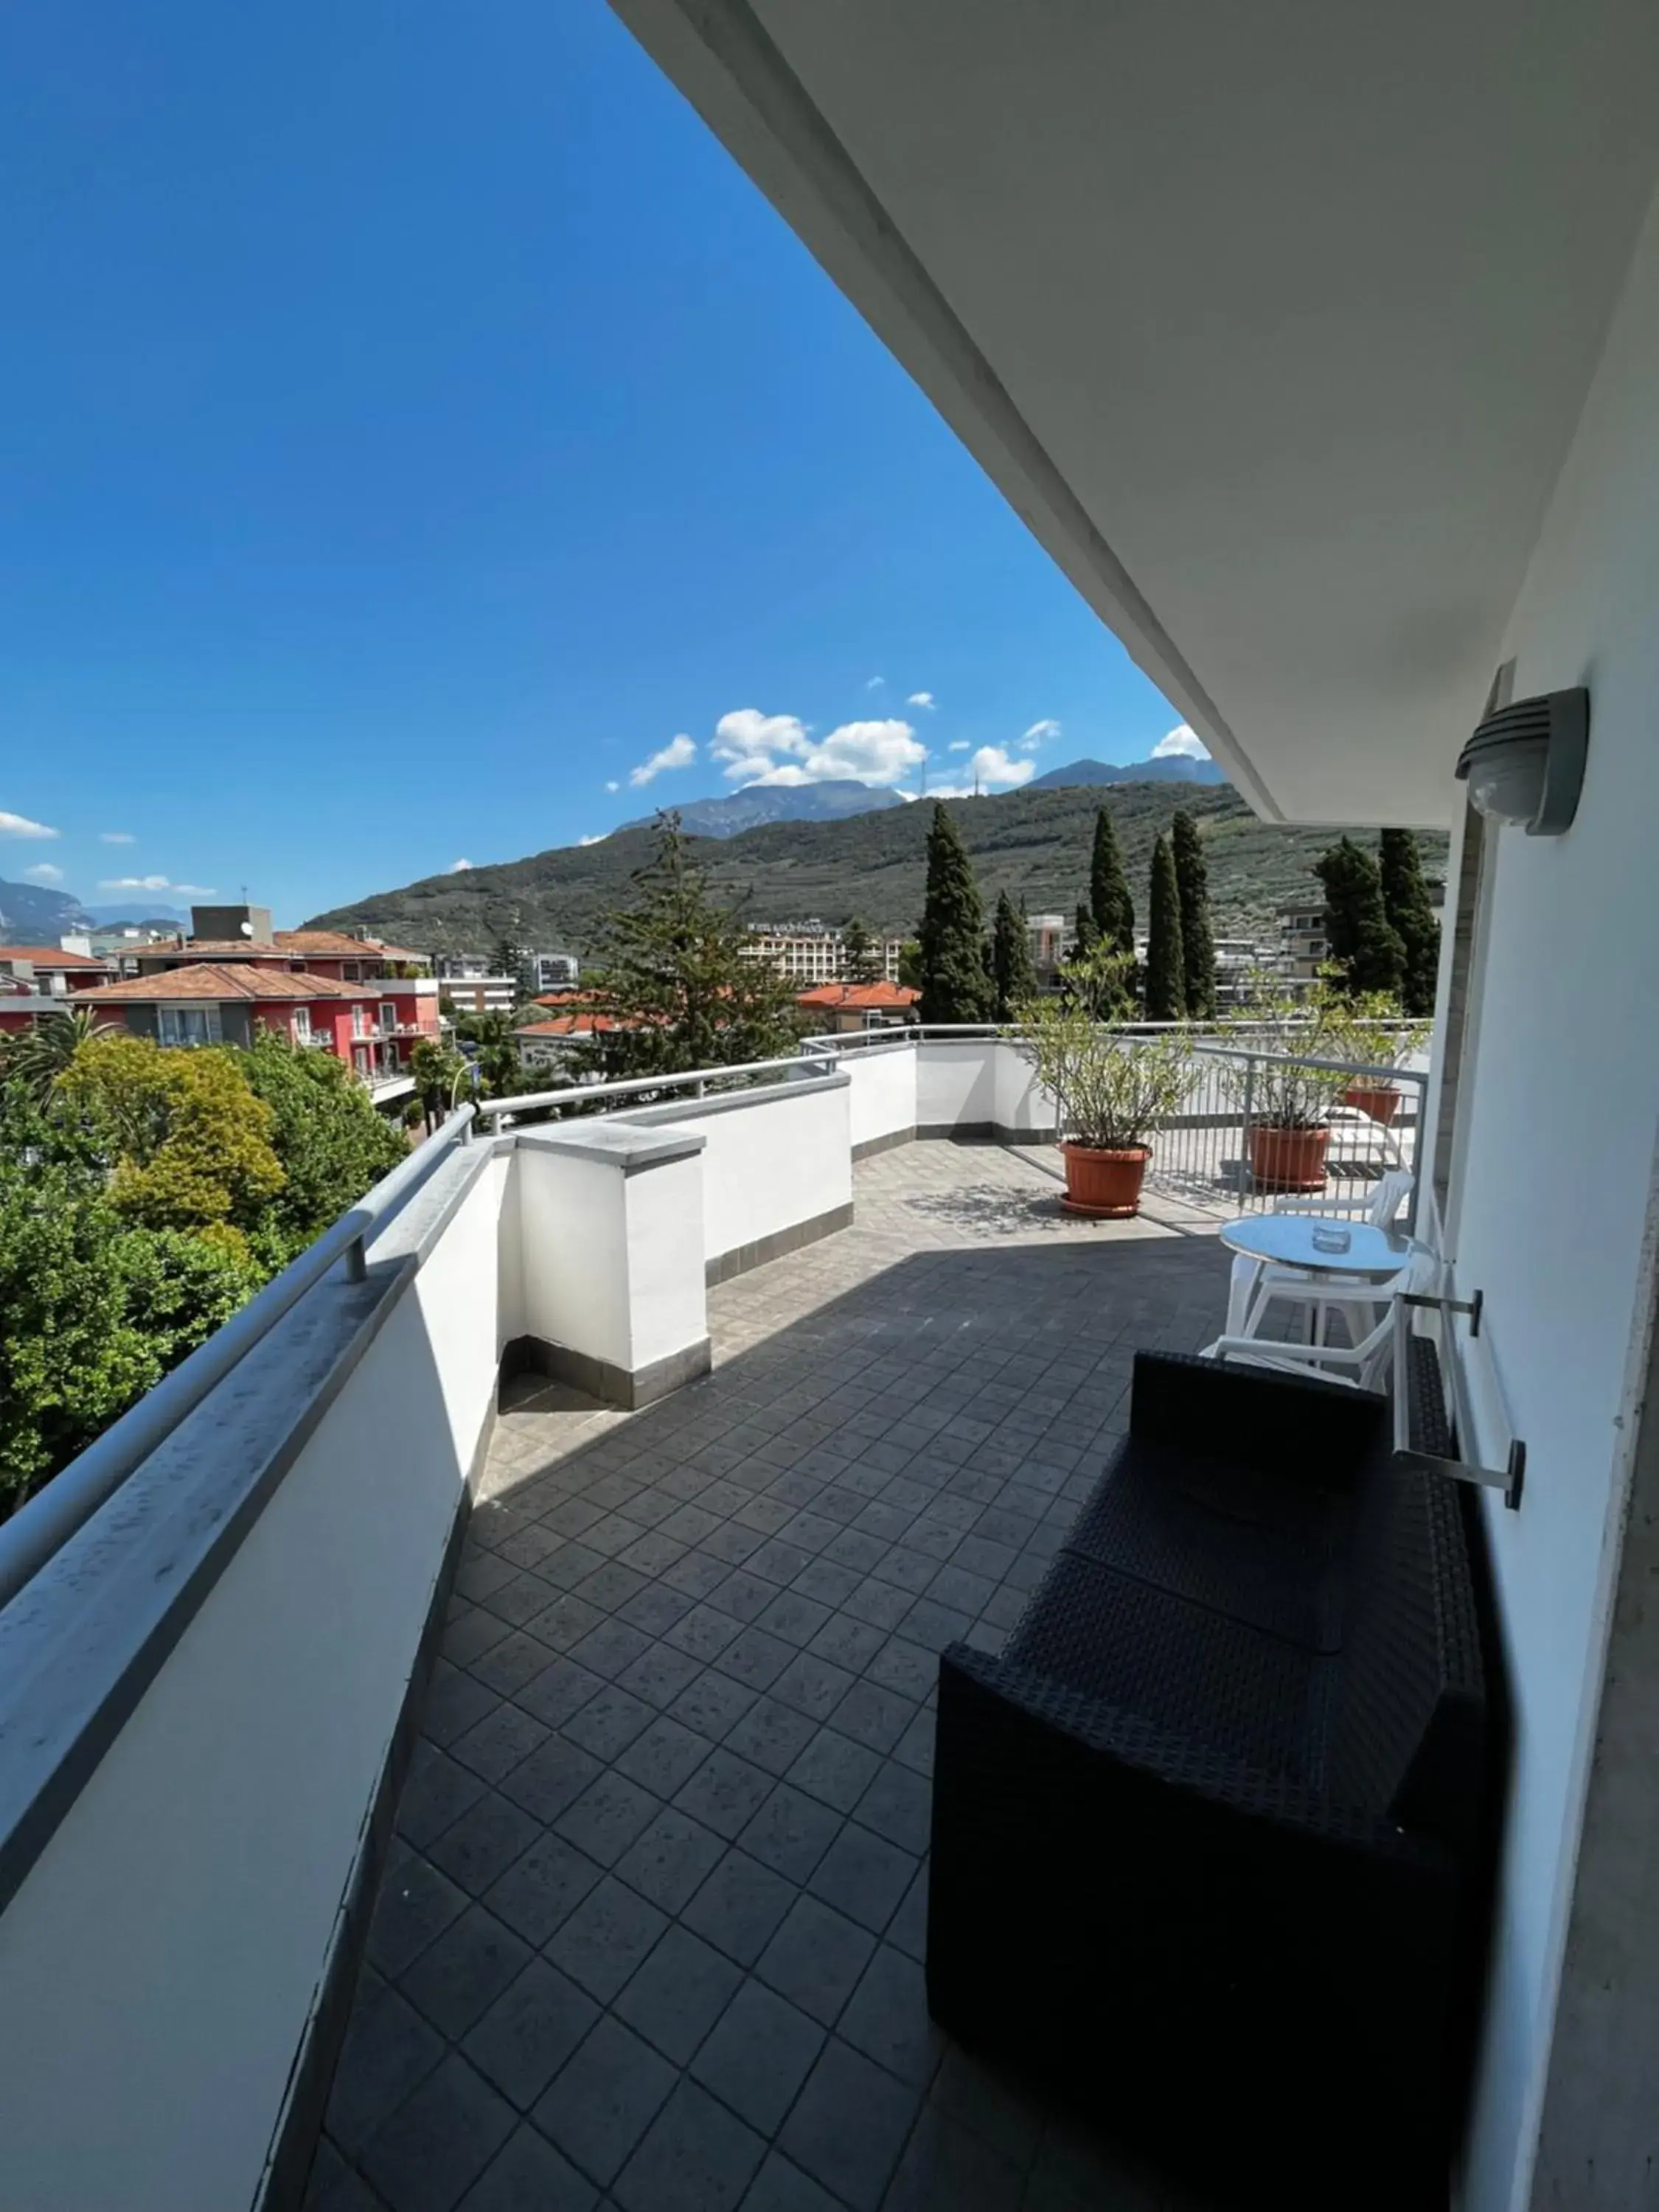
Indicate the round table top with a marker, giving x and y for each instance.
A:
(1322, 1244)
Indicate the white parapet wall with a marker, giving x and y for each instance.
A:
(160, 1959)
(611, 1250)
(777, 1166)
(956, 1084)
(882, 1108)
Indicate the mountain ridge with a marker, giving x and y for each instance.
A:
(1032, 843)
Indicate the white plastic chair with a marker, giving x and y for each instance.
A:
(1365, 1363)
(1253, 1283)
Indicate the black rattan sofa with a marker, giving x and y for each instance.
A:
(1208, 1835)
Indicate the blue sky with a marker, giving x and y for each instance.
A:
(412, 424)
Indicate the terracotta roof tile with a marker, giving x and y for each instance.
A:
(49, 956)
(893, 996)
(223, 981)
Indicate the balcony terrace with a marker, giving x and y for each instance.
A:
(653, 1920)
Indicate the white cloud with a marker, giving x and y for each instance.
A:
(18, 825)
(154, 883)
(44, 872)
(1184, 740)
(678, 752)
(921, 699)
(599, 840)
(778, 749)
(613, 785)
(1038, 734)
(875, 684)
(746, 742)
(960, 746)
(116, 837)
(458, 867)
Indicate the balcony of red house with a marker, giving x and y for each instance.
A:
(838, 1008)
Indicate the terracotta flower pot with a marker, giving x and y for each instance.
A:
(1287, 1160)
(1105, 1185)
(1380, 1100)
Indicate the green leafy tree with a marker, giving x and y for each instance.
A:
(955, 987)
(1011, 960)
(493, 1048)
(1411, 916)
(1166, 977)
(909, 965)
(187, 1142)
(330, 1141)
(92, 1311)
(507, 958)
(1363, 946)
(1197, 938)
(440, 1075)
(863, 959)
(677, 973)
(37, 1056)
(1087, 935)
(1110, 907)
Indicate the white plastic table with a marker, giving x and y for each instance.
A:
(1356, 1249)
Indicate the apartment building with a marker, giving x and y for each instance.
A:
(808, 952)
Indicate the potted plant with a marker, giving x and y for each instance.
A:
(1110, 1092)
(1288, 1093)
(1376, 1037)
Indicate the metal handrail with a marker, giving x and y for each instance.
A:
(45, 1524)
(630, 1086)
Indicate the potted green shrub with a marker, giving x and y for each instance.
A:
(1289, 1099)
(1110, 1091)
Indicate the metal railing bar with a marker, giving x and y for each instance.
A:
(584, 1093)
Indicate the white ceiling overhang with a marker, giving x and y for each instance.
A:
(1273, 322)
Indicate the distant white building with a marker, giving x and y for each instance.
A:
(807, 952)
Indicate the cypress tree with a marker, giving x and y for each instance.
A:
(1109, 904)
(1363, 944)
(1197, 938)
(1166, 981)
(1011, 960)
(955, 987)
(1406, 903)
(1087, 935)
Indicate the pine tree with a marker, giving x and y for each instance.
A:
(955, 987)
(1197, 938)
(1363, 944)
(1166, 984)
(1406, 903)
(863, 958)
(1011, 960)
(677, 974)
(1087, 935)
(1110, 906)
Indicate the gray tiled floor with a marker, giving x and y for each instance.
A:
(652, 1934)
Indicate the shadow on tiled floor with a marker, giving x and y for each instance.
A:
(653, 1933)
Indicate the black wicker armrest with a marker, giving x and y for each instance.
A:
(1306, 1430)
(1094, 1725)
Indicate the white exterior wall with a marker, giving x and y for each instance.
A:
(775, 1161)
(883, 1090)
(159, 1964)
(612, 1262)
(956, 1083)
(1023, 1105)
(1551, 1210)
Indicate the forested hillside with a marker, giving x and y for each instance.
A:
(1033, 844)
